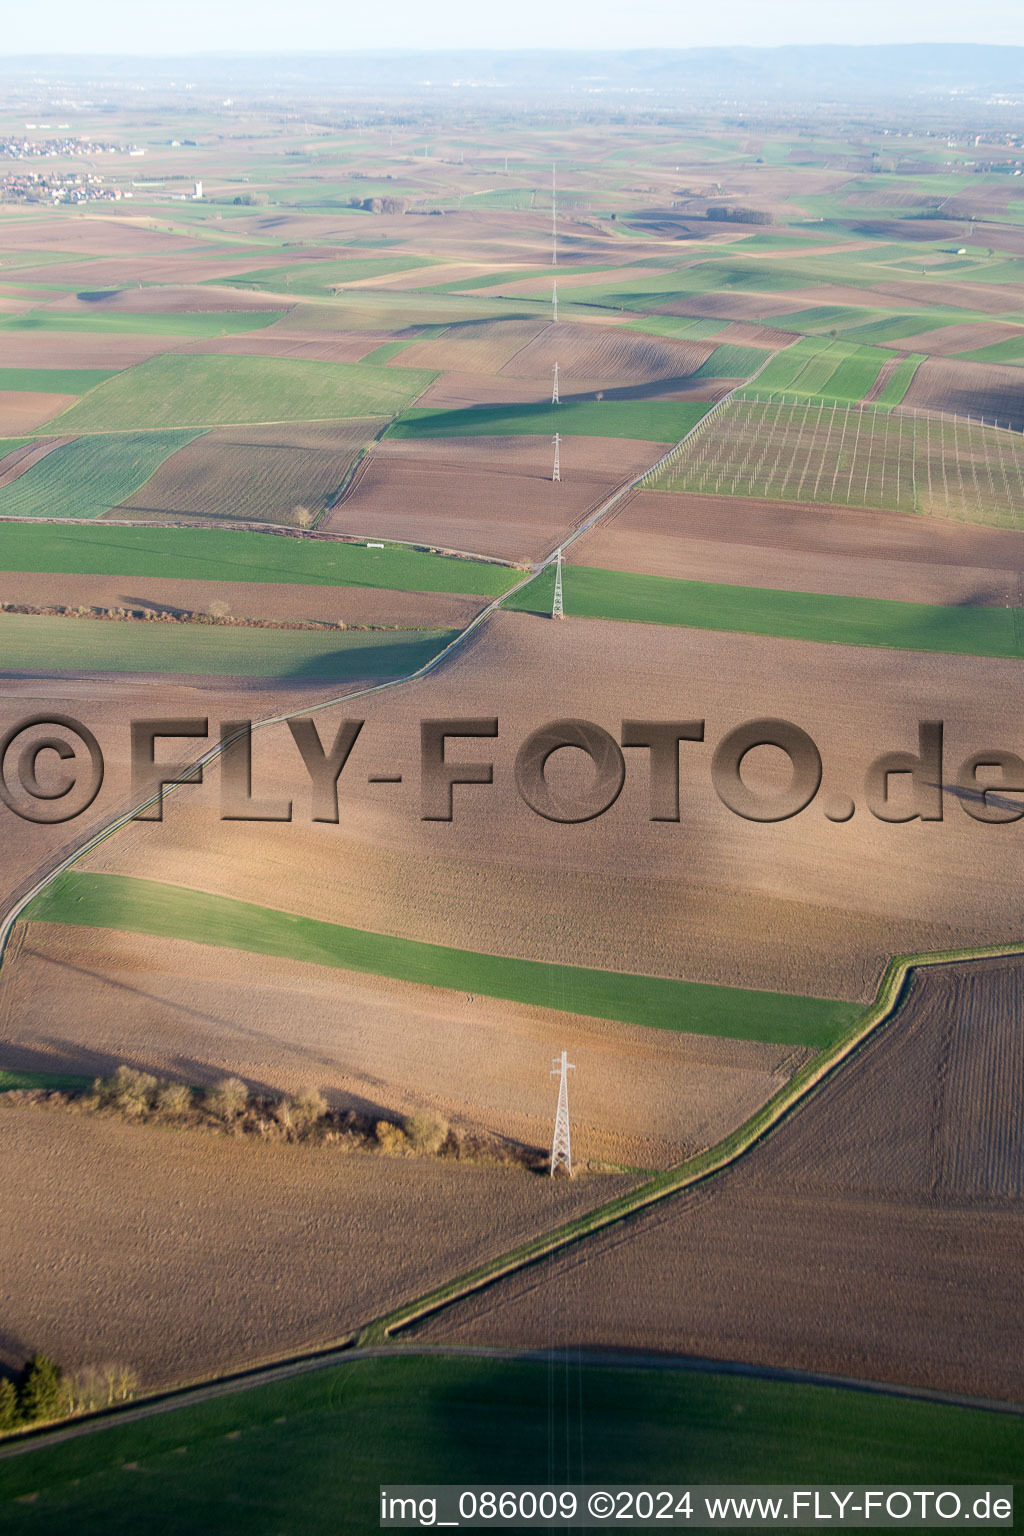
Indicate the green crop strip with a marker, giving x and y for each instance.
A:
(619, 595)
(215, 555)
(166, 911)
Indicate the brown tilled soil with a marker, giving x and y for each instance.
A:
(91, 234)
(254, 473)
(607, 352)
(22, 410)
(741, 334)
(947, 340)
(81, 349)
(186, 1255)
(471, 346)
(988, 298)
(808, 549)
(280, 601)
(806, 905)
(484, 495)
(643, 1097)
(875, 1234)
(991, 391)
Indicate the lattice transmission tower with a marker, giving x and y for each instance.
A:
(554, 386)
(557, 610)
(556, 473)
(554, 301)
(561, 1150)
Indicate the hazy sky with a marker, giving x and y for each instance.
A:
(193, 26)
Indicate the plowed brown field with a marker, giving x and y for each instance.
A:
(490, 496)
(185, 1255)
(808, 549)
(623, 357)
(805, 905)
(80, 349)
(645, 1098)
(947, 340)
(988, 391)
(237, 473)
(876, 1233)
(473, 346)
(23, 411)
(279, 601)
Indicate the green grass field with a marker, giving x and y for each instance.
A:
(86, 477)
(179, 391)
(311, 1454)
(1009, 351)
(729, 362)
(899, 380)
(216, 555)
(146, 906)
(36, 644)
(599, 594)
(112, 322)
(54, 381)
(656, 421)
(51, 1081)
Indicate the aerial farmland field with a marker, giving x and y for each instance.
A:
(598, 481)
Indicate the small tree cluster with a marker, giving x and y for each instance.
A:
(724, 213)
(43, 1392)
(229, 1107)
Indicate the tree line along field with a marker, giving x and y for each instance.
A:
(834, 454)
(203, 391)
(216, 555)
(589, 592)
(319, 1448)
(144, 906)
(38, 644)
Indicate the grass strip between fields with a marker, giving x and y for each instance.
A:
(167, 911)
(219, 555)
(36, 643)
(590, 593)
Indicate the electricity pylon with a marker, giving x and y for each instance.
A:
(556, 473)
(561, 1151)
(554, 302)
(557, 610)
(554, 386)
